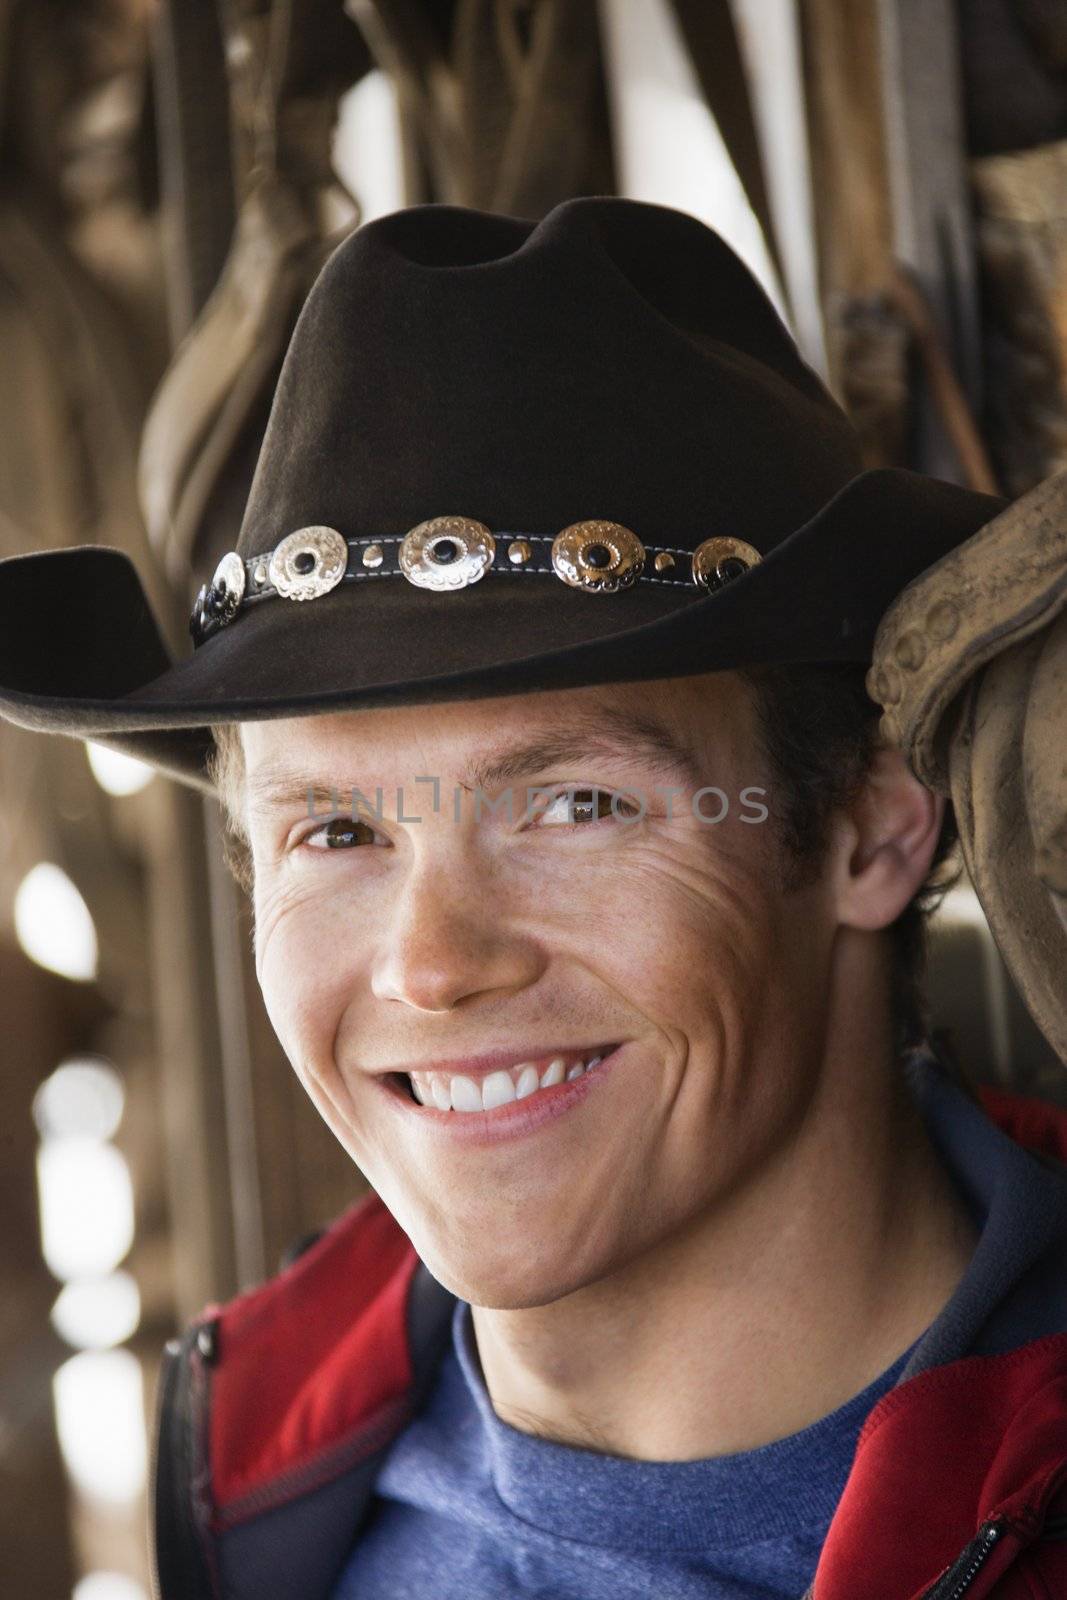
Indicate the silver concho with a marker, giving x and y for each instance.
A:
(599, 557)
(446, 553)
(717, 561)
(308, 563)
(229, 584)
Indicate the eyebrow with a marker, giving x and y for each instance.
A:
(607, 731)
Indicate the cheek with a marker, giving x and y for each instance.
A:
(696, 937)
(689, 924)
(305, 970)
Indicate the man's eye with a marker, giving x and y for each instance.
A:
(341, 833)
(585, 805)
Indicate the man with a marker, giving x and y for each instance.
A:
(682, 1276)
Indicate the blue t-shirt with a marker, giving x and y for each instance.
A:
(467, 1507)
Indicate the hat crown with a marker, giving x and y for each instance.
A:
(615, 360)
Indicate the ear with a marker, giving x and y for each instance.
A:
(885, 843)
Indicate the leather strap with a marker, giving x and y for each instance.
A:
(192, 97)
(539, 561)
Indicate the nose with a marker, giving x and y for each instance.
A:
(448, 939)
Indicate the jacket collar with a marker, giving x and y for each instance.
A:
(1008, 1158)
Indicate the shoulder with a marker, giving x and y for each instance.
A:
(1038, 1125)
(316, 1355)
(315, 1350)
(269, 1401)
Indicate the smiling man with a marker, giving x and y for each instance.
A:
(588, 911)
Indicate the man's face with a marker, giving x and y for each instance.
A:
(571, 928)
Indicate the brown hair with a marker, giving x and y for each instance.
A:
(226, 769)
(819, 731)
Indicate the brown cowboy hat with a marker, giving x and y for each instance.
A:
(503, 456)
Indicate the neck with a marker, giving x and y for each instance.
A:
(784, 1302)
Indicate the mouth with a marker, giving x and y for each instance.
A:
(538, 1091)
(464, 1094)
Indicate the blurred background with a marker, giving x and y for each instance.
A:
(172, 174)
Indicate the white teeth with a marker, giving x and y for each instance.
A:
(463, 1093)
(442, 1097)
(528, 1081)
(553, 1073)
(497, 1090)
(466, 1096)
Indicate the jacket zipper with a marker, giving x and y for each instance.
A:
(968, 1564)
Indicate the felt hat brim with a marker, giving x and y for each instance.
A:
(81, 653)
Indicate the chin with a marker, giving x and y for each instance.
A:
(502, 1280)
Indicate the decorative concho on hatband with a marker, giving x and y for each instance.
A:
(446, 553)
(718, 561)
(219, 601)
(599, 557)
(449, 553)
(229, 581)
(308, 563)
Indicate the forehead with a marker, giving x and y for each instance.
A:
(669, 724)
